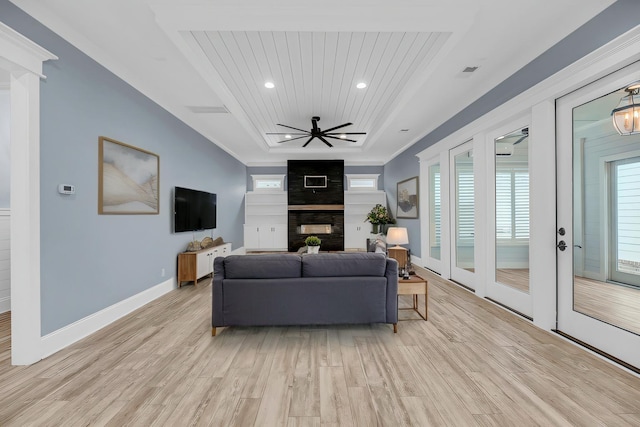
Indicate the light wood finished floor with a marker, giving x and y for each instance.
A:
(472, 364)
(615, 304)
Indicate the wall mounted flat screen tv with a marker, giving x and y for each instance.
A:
(194, 210)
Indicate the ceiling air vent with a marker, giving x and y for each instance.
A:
(469, 69)
(208, 110)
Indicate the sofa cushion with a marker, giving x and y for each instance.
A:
(267, 266)
(343, 264)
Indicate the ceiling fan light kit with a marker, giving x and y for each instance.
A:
(316, 132)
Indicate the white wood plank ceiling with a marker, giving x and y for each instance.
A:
(315, 74)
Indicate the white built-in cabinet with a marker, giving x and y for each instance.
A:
(357, 204)
(265, 225)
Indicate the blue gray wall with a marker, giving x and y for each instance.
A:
(91, 261)
(620, 17)
(5, 160)
(282, 170)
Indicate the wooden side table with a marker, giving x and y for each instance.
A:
(415, 286)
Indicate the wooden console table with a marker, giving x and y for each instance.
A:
(197, 264)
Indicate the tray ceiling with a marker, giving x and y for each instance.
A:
(206, 62)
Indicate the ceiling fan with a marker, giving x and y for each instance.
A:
(316, 132)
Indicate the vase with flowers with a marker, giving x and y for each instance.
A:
(379, 217)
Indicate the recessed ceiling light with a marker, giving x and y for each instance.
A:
(499, 138)
(361, 85)
(288, 136)
(343, 136)
(269, 85)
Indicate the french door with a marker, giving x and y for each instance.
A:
(598, 225)
(462, 211)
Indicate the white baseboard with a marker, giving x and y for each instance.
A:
(5, 304)
(416, 260)
(64, 337)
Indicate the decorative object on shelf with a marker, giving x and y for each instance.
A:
(128, 179)
(313, 244)
(626, 116)
(208, 242)
(194, 246)
(379, 216)
(408, 198)
(398, 236)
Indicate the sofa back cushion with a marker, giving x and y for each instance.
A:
(343, 264)
(267, 266)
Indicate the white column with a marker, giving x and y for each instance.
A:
(25, 229)
(542, 246)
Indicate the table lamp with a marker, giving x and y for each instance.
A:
(398, 236)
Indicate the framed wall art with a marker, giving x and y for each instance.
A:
(407, 206)
(128, 179)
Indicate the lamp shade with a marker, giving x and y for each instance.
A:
(626, 116)
(397, 236)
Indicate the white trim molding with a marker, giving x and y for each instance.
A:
(63, 337)
(23, 60)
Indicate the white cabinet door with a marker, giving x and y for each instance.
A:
(203, 262)
(251, 236)
(265, 236)
(356, 235)
(280, 236)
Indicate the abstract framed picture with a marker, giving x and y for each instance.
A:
(408, 198)
(128, 179)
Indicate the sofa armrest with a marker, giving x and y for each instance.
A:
(391, 273)
(217, 316)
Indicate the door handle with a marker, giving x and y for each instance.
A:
(562, 245)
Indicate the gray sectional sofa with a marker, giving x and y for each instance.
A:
(308, 289)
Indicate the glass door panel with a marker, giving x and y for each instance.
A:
(465, 215)
(512, 209)
(435, 211)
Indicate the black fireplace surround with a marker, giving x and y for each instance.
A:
(315, 191)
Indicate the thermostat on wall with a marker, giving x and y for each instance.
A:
(66, 189)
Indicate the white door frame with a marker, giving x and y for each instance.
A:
(23, 60)
(610, 339)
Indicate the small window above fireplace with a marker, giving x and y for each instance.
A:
(268, 183)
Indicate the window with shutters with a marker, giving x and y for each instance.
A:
(512, 203)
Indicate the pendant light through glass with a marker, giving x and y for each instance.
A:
(626, 116)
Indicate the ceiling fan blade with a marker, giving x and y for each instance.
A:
(337, 127)
(340, 139)
(292, 139)
(307, 143)
(286, 133)
(522, 138)
(344, 133)
(325, 141)
(291, 127)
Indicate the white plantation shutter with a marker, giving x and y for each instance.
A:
(512, 203)
(465, 204)
(437, 210)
